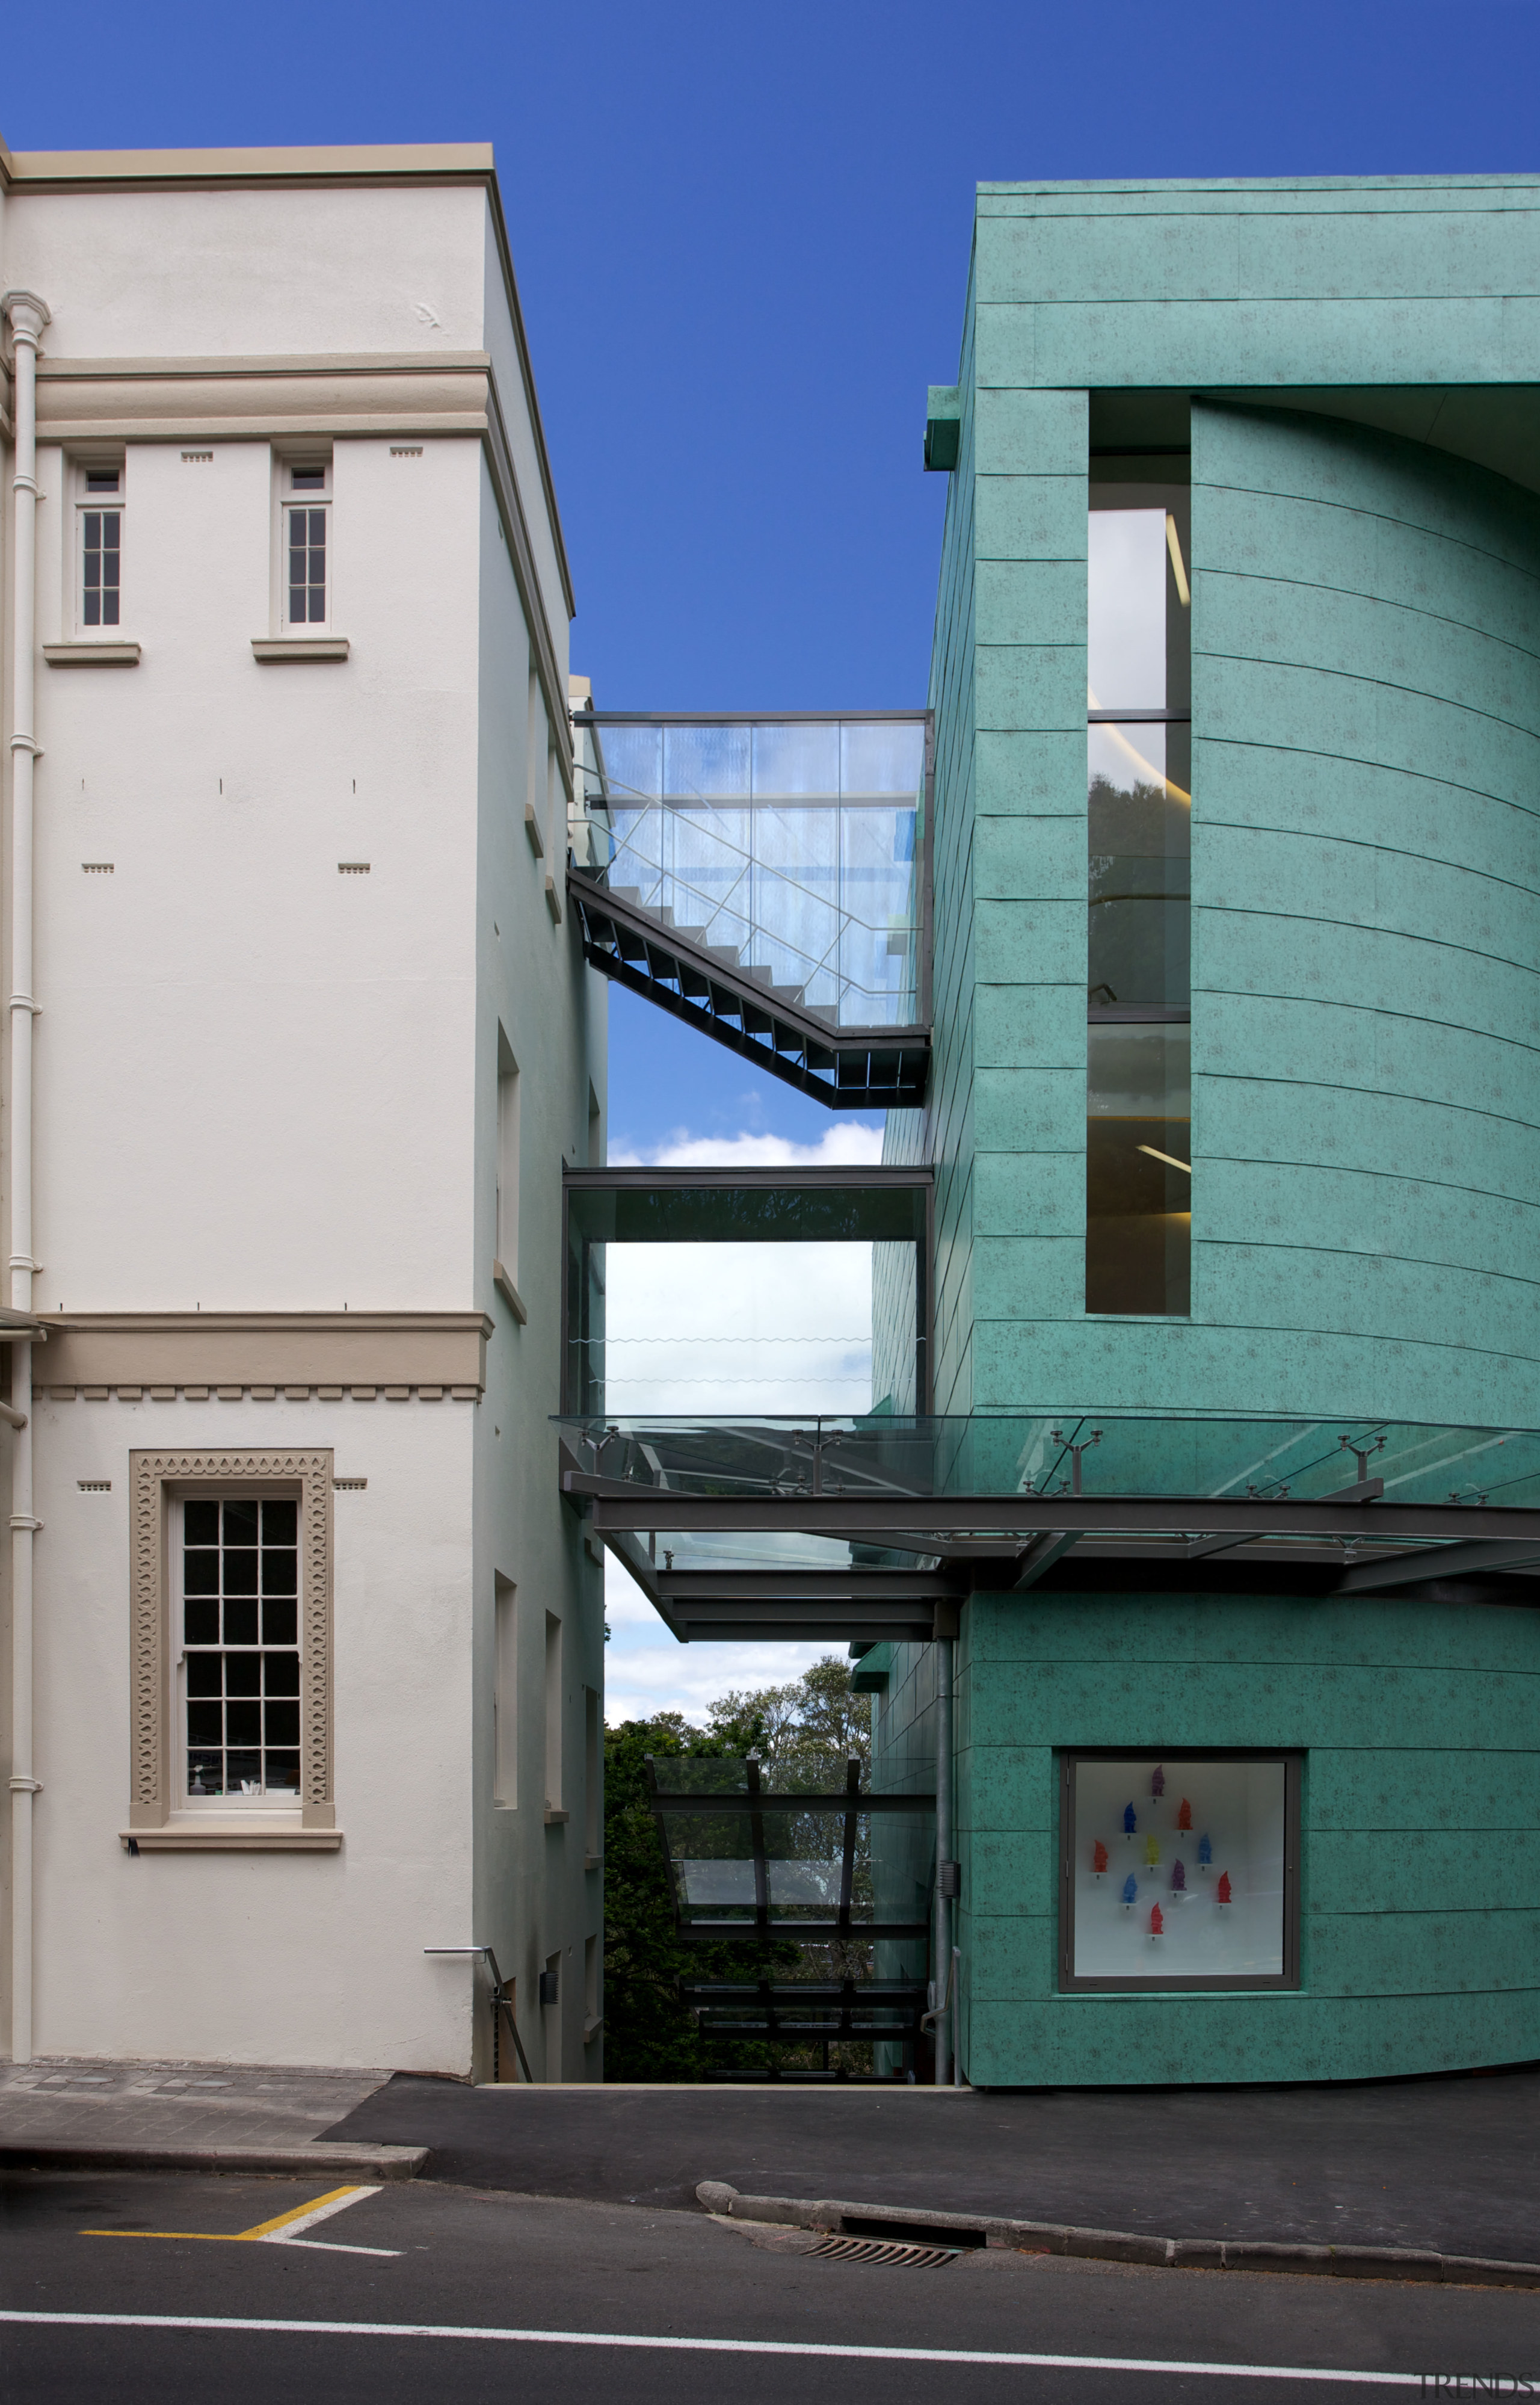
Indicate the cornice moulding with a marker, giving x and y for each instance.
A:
(326, 163)
(269, 1349)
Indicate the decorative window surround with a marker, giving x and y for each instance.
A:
(86, 654)
(154, 1478)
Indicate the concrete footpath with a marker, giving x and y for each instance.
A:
(1446, 2167)
(1451, 2166)
(188, 2116)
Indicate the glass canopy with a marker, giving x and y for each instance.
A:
(1037, 1456)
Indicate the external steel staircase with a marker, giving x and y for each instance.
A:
(792, 925)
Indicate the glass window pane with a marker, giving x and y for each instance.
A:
(1138, 1169)
(283, 1774)
(281, 1674)
(280, 1572)
(280, 1621)
(243, 1674)
(240, 1570)
(109, 609)
(201, 1524)
(240, 1524)
(280, 1524)
(1139, 814)
(708, 762)
(240, 1621)
(1204, 1849)
(1125, 628)
(243, 1723)
(200, 1623)
(882, 759)
(203, 1724)
(206, 1674)
(795, 760)
(282, 1723)
(205, 1774)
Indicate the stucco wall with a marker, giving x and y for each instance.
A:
(1420, 1901)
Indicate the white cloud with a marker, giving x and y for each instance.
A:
(647, 1671)
(751, 1328)
(847, 1141)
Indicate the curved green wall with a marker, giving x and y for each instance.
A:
(1366, 939)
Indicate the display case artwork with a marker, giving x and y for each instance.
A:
(1213, 1924)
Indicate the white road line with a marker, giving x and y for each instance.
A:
(293, 2223)
(290, 2234)
(723, 2346)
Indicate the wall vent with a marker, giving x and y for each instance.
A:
(351, 1485)
(97, 868)
(406, 450)
(198, 459)
(94, 1486)
(353, 868)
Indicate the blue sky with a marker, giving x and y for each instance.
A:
(741, 236)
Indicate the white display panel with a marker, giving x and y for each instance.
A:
(1195, 1890)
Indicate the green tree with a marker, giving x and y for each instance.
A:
(806, 1730)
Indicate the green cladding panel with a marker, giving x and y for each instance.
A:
(1356, 366)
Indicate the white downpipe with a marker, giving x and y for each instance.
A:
(28, 316)
(945, 1998)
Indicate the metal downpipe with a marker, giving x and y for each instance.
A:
(27, 318)
(941, 1956)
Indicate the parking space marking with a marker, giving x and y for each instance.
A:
(281, 2230)
(802, 2347)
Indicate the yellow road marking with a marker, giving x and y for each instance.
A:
(235, 2237)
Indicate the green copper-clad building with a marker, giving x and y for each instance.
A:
(1234, 1116)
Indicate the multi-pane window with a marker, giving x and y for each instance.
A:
(241, 1634)
(101, 550)
(1138, 1111)
(305, 547)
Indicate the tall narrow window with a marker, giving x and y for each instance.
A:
(505, 1692)
(101, 548)
(306, 573)
(593, 1793)
(1139, 1123)
(553, 1713)
(240, 1576)
(508, 1161)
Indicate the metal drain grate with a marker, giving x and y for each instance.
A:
(884, 2250)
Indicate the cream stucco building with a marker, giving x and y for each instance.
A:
(304, 1669)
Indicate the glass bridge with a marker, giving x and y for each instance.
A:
(767, 879)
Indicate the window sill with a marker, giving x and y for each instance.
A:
(555, 1820)
(288, 650)
(86, 654)
(233, 1837)
(591, 2028)
(592, 1862)
(510, 1294)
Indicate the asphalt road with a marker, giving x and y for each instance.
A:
(1452, 2165)
(484, 2294)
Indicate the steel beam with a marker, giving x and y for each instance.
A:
(1425, 1565)
(902, 1520)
